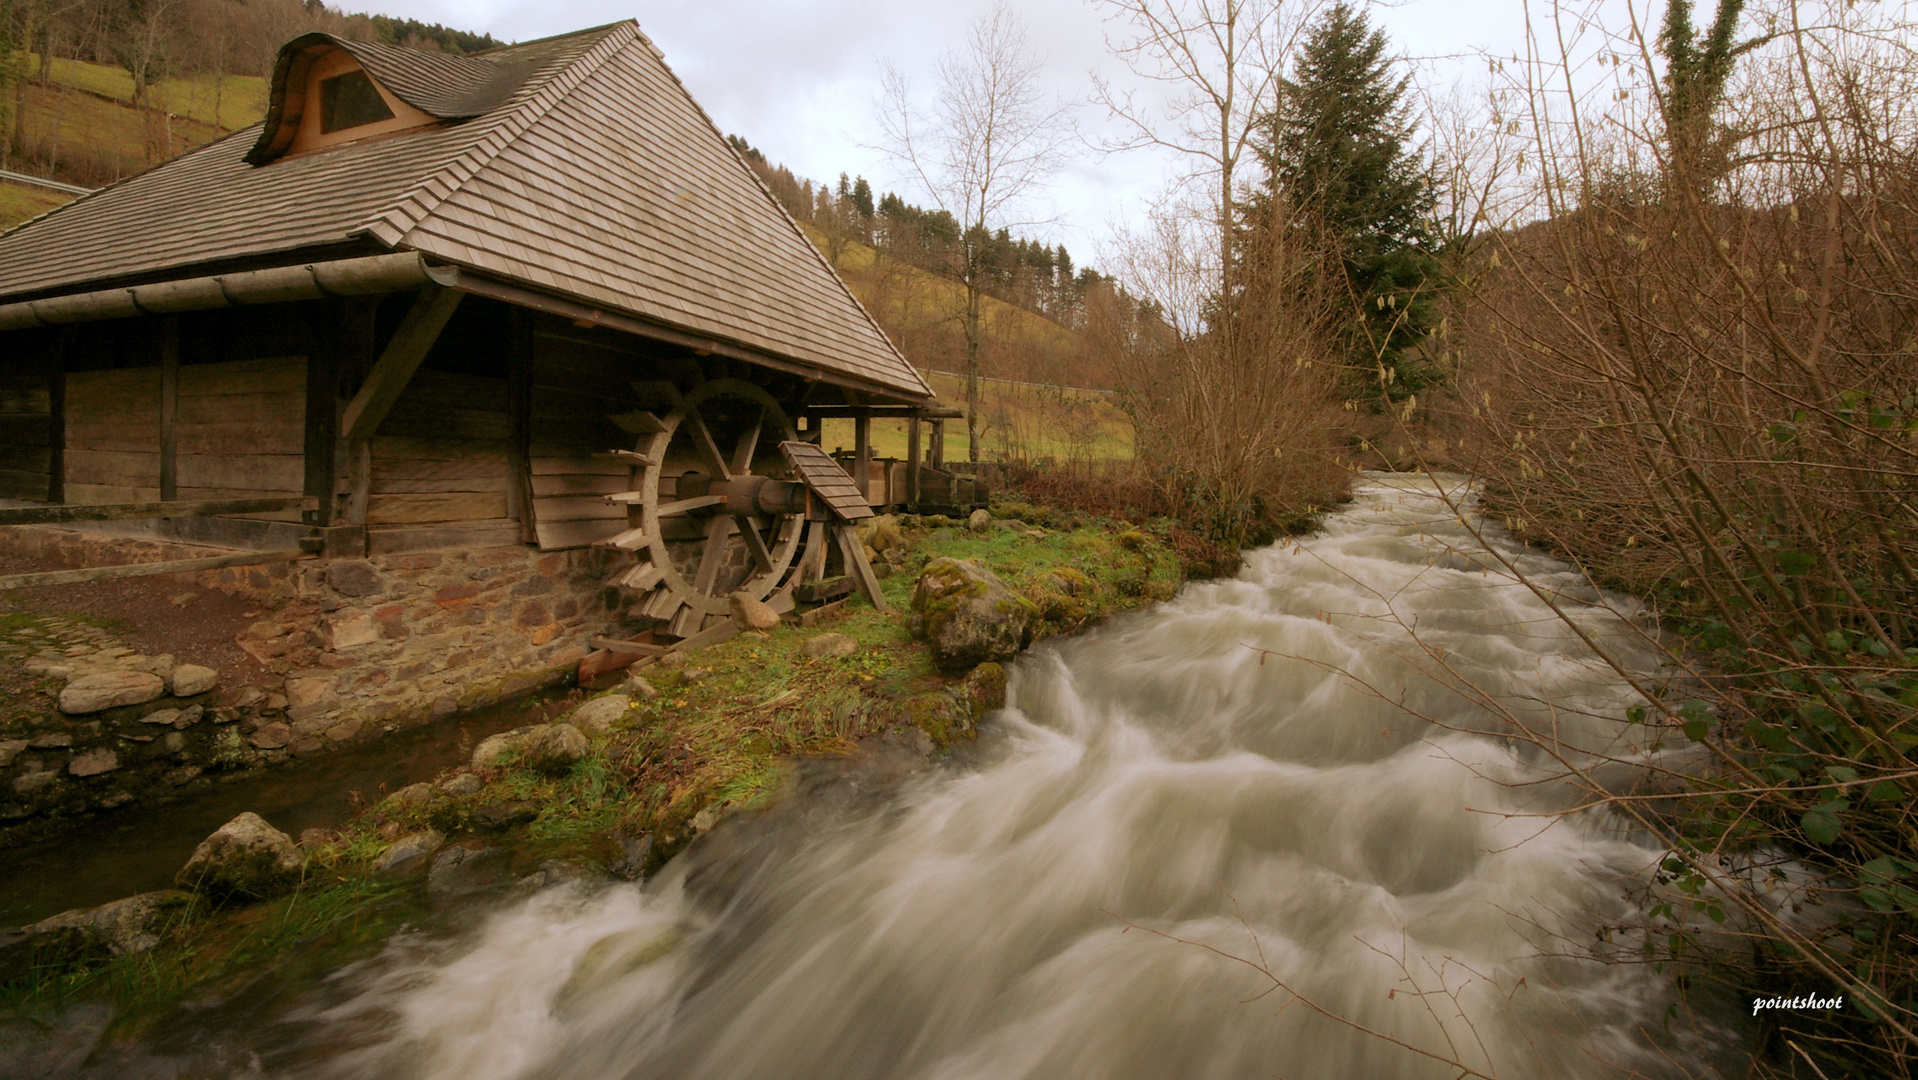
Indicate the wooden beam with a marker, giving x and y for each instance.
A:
(938, 446)
(855, 555)
(54, 515)
(912, 463)
(127, 570)
(637, 648)
(519, 414)
(320, 438)
(885, 412)
(411, 342)
(169, 407)
(862, 453)
(57, 417)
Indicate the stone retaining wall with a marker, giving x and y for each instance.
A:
(360, 646)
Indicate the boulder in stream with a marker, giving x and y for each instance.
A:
(244, 859)
(968, 616)
(496, 750)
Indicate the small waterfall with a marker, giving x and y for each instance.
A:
(1279, 771)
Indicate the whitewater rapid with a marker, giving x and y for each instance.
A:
(1308, 769)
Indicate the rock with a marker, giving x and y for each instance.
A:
(10, 749)
(161, 665)
(557, 749)
(28, 782)
(271, 736)
(634, 852)
(979, 520)
(752, 613)
(495, 750)
(463, 784)
(413, 795)
(598, 715)
(408, 851)
(882, 534)
(315, 838)
(191, 679)
(986, 688)
(968, 616)
(550, 873)
(824, 645)
(134, 924)
(350, 577)
(183, 599)
(461, 871)
(692, 675)
(349, 628)
(94, 762)
(245, 858)
(101, 690)
(499, 816)
(161, 716)
(636, 686)
(615, 956)
(182, 775)
(53, 741)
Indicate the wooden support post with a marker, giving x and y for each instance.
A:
(938, 444)
(854, 553)
(862, 454)
(169, 407)
(384, 383)
(519, 409)
(57, 418)
(912, 463)
(321, 438)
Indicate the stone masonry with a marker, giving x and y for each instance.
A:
(361, 646)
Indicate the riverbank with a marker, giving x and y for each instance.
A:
(665, 758)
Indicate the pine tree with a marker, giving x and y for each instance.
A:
(1339, 162)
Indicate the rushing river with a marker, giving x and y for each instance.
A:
(1265, 773)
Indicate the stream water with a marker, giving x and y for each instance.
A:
(1247, 833)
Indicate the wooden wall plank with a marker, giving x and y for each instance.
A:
(408, 509)
(114, 468)
(569, 534)
(577, 508)
(257, 472)
(575, 484)
(579, 465)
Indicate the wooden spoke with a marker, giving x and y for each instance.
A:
(755, 543)
(717, 533)
(687, 506)
(703, 444)
(748, 444)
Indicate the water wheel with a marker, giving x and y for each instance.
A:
(708, 473)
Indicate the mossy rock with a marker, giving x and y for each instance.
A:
(968, 616)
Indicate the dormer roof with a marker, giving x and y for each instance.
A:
(575, 166)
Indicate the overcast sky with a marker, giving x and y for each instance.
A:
(798, 78)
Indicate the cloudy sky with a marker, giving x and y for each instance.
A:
(799, 78)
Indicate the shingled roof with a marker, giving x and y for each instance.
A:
(587, 172)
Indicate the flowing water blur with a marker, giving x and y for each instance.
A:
(1263, 768)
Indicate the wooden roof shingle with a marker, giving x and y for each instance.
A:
(596, 178)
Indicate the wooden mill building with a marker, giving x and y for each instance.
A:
(417, 309)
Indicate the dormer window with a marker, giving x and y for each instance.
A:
(349, 101)
(328, 92)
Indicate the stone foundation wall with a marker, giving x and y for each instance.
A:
(357, 647)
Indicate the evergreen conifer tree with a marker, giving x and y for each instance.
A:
(1340, 164)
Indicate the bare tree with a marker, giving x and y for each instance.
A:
(1222, 63)
(991, 138)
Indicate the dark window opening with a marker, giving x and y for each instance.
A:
(349, 100)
